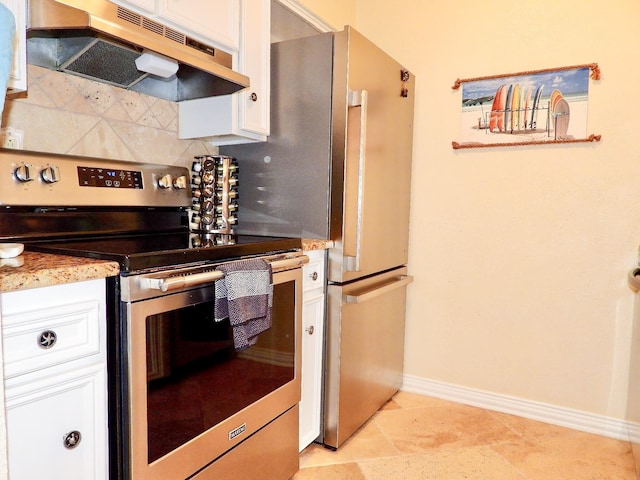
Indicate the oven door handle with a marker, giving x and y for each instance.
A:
(288, 263)
(182, 281)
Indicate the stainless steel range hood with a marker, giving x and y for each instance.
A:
(99, 40)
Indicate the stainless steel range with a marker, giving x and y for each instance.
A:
(186, 400)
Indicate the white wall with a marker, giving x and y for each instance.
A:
(520, 254)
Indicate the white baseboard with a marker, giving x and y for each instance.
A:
(555, 415)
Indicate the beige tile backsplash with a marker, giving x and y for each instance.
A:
(71, 115)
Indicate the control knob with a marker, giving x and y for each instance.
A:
(50, 174)
(180, 183)
(23, 173)
(165, 181)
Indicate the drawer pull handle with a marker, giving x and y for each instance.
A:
(47, 339)
(309, 330)
(72, 439)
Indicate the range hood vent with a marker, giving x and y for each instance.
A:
(101, 41)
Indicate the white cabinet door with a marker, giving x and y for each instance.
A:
(54, 348)
(217, 20)
(242, 117)
(18, 79)
(56, 427)
(313, 306)
(213, 22)
(254, 61)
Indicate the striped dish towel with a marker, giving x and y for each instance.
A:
(244, 296)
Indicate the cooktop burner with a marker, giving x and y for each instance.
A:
(141, 252)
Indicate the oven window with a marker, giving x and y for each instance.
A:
(195, 377)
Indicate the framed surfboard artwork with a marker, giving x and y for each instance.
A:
(528, 108)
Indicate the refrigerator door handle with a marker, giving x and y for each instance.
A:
(399, 282)
(359, 98)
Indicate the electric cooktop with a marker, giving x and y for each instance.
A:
(142, 252)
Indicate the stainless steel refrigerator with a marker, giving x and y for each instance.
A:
(337, 166)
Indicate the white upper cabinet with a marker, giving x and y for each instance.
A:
(255, 62)
(144, 6)
(217, 20)
(213, 22)
(239, 27)
(18, 79)
(242, 117)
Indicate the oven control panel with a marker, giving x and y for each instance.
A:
(109, 178)
(38, 179)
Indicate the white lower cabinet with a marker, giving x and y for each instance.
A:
(313, 308)
(54, 428)
(55, 381)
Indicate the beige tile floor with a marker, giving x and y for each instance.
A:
(417, 437)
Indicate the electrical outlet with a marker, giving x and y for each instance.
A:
(11, 138)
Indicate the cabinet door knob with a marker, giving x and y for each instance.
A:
(309, 330)
(47, 339)
(314, 276)
(253, 97)
(71, 440)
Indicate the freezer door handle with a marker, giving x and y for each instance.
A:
(359, 98)
(398, 282)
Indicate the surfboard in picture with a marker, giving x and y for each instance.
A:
(515, 107)
(527, 107)
(553, 99)
(536, 106)
(507, 108)
(561, 115)
(496, 109)
(555, 96)
(503, 101)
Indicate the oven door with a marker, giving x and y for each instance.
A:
(192, 396)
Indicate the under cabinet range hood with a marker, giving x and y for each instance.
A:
(101, 41)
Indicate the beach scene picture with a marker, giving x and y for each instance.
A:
(537, 107)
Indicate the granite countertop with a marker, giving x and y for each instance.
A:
(33, 270)
(314, 244)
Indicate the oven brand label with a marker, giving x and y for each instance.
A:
(237, 431)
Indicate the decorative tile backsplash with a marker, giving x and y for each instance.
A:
(67, 114)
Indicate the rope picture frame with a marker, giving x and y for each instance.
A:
(535, 107)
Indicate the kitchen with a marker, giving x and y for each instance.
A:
(508, 307)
